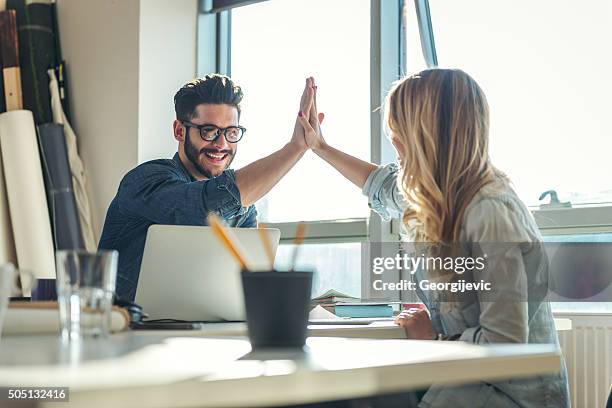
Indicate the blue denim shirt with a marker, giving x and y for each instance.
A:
(164, 192)
(495, 215)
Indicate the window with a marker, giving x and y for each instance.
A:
(545, 70)
(544, 67)
(273, 48)
(581, 306)
(338, 266)
(269, 48)
(414, 58)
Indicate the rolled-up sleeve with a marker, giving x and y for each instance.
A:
(383, 194)
(249, 219)
(223, 195)
(163, 197)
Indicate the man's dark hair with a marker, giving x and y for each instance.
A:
(213, 88)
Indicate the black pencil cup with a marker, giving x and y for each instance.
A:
(277, 306)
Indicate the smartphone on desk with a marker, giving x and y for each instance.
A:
(166, 326)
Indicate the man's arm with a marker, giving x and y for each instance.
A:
(257, 178)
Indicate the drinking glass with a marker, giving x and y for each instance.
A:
(85, 287)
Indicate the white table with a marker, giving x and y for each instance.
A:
(375, 330)
(154, 370)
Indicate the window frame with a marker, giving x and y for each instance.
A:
(385, 68)
(574, 221)
(216, 6)
(213, 40)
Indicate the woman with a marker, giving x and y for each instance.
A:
(449, 195)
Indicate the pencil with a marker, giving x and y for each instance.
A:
(263, 234)
(220, 232)
(297, 241)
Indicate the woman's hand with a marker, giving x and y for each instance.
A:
(311, 120)
(416, 323)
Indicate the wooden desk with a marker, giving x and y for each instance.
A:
(153, 370)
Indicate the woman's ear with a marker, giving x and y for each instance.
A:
(399, 147)
(179, 130)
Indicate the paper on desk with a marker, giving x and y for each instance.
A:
(319, 313)
(43, 317)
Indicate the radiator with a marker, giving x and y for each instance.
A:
(587, 349)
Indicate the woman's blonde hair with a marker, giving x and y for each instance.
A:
(440, 118)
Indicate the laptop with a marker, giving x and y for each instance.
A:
(187, 274)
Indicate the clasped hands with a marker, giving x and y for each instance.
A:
(416, 324)
(307, 131)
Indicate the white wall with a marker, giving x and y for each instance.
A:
(167, 62)
(123, 69)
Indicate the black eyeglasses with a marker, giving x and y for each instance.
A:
(210, 133)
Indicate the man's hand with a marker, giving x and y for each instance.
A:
(416, 323)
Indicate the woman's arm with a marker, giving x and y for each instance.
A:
(354, 169)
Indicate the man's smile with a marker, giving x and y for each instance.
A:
(215, 156)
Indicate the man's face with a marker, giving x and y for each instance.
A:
(211, 158)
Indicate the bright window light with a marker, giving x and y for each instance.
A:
(275, 46)
(545, 68)
(337, 266)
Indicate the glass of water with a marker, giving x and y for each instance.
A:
(85, 287)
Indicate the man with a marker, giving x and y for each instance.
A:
(197, 180)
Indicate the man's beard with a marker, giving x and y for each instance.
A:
(193, 154)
